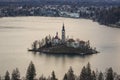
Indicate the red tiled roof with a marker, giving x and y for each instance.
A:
(71, 40)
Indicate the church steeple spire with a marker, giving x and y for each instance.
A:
(63, 33)
(63, 28)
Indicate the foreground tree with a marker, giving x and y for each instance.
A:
(65, 77)
(88, 71)
(70, 74)
(7, 76)
(16, 74)
(100, 76)
(42, 78)
(83, 74)
(53, 76)
(31, 72)
(93, 76)
(109, 75)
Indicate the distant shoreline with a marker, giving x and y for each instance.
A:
(108, 25)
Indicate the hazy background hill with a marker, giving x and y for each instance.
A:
(60, 0)
(52, 2)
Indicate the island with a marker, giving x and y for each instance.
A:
(55, 45)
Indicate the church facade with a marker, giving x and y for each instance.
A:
(69, 42)
(56, 40)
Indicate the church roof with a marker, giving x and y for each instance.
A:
(82, 42)
(63, 29)
(71, 40)
(56, 37)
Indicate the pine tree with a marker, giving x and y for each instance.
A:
(100, 77)
(70, 74)
(7, 76)
(53, 76)
(88, 71)
(16, 74)
(93, 76)
(65, 77)
(0, 78)
(83, 74)
(109, 75)
(31, 72)
(42, 78)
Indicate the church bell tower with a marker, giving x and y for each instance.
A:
(63, 34)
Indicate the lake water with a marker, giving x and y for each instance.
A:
(17, 34)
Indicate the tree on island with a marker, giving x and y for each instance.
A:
(7, 76)
(31, 72)
(16, 74)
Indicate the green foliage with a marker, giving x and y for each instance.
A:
(53, 76)
(86, 74)
(109, 16)
(70, 74)
(16, 74)
(42, 78)
(109, 75)
(7, 76)
(31, 72)
(93, 76)
(83, 74)
(100, 77)
(88, 71)
(65, 77)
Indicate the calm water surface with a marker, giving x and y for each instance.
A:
(17, 34)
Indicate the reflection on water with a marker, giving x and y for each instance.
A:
(57, 56)
(17, 34)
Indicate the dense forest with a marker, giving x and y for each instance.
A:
(109, 16)
(85, 74)
(102, 13)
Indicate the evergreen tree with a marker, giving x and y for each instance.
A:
(70, 74)
(65, 77)
(88, 72)
(100, 77)
(7, 76)
(53, 76)
(31, 72)
(93, 76)
(42, 78)
(16, 74)
(0, 78)
(83, 74)
(109, 75)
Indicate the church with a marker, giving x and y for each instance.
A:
(69, 42)
(56, 40)
(62, 45)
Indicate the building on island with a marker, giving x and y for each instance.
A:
(63, 34)
(56, 40)
(69, 42)
(62, 45)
